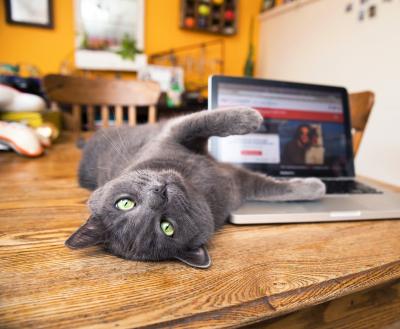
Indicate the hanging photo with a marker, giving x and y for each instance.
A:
(38, 13)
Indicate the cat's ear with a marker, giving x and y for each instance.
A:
(196, 258)
(87, 235)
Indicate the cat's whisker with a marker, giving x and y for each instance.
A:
(122, 142)
(118, 150)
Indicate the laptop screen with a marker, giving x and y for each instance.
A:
(305, 131)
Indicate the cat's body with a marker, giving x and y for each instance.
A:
(126, 149)
(166, 169)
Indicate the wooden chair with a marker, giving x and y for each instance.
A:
(361, 104)
(106, 93)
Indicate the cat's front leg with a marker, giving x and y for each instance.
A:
(256, 186)
(220, 122)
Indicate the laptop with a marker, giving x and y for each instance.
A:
(306, 133)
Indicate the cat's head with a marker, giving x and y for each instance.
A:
(148, 215)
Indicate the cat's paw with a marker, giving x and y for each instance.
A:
(247, 120)
(241, 120)
(307, 188)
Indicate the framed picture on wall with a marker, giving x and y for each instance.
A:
(38, 13)
(109, 35)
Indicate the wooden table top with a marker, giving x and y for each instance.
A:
(258, 272)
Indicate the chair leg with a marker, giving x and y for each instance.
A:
(76, 117)
(132, 115)
(90, 117)
(152, 114)
(119, 115)
(105, 116)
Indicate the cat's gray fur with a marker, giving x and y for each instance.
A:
(166, 169)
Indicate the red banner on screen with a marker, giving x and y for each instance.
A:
(251, 152)
(287, 114)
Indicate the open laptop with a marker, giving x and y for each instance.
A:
(306, 132)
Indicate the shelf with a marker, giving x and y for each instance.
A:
(106, 60)
(279, 10)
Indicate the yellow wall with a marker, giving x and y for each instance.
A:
(48, 48)
(42, 47)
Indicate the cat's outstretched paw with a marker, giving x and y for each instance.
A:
(241, 120)
(247, 120)
(307, 188)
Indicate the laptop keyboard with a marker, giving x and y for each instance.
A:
(348, 187)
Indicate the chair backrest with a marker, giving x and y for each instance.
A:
(361, 104)
(106, 93)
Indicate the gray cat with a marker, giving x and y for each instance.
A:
(159, 195)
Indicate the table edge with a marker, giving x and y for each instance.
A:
(339, 287)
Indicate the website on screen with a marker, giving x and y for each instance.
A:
(301, 129)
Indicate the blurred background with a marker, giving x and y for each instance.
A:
(179, 43)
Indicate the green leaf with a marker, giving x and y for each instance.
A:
(128, 48)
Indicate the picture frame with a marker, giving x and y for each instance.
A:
(38, 13)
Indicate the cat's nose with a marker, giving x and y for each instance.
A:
(161, 190)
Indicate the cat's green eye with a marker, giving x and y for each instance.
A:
(125, 204)
(167, 228)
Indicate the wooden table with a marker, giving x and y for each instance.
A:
(258, 272)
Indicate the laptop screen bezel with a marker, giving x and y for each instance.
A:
(348, 170)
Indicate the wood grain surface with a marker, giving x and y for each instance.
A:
(375, 308)
(258, 272)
